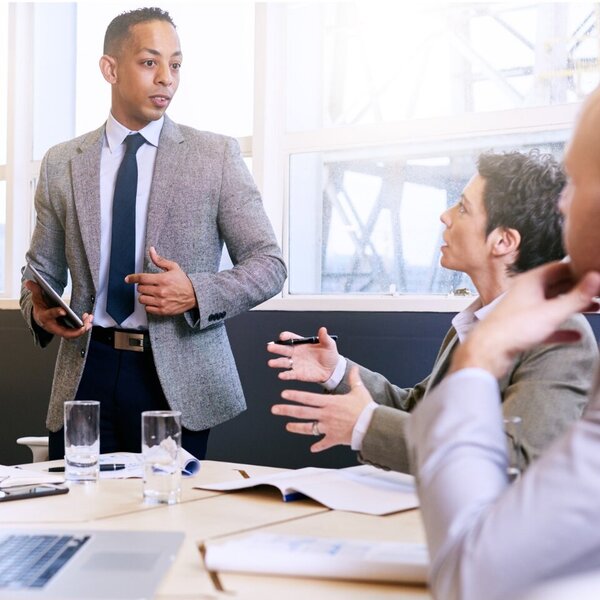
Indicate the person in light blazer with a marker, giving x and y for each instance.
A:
(505, 222)
(194, 194)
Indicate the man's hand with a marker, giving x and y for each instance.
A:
(46, 316)
(335, 416)
(537, 303)
(167, 293)
(304, 362)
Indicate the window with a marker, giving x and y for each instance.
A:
(389, 105)
(361, 120)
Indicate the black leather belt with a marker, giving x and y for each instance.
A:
(134, 340)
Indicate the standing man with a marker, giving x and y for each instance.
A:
(145, 203)
(506, 221)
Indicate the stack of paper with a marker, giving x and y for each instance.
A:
(320, 557)
(13, 476)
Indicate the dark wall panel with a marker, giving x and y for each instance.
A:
(400, 345)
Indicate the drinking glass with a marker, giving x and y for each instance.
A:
(82, 440)
(161, 449)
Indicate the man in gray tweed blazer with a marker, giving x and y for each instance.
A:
(194, 193)
(505, 222)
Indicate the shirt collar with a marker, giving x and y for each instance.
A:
(465, 320)
(116, 133)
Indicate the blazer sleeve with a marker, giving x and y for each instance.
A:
(258, 271)
(548, 388)
(46, 252)
(384, 444)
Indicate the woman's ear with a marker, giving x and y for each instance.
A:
(506, 241)
(108, 66)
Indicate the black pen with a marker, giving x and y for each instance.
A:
(313, 339)
(106, 467)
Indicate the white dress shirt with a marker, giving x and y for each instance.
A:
(488, 539)
(113, 151)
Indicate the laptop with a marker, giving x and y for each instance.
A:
(57, 564)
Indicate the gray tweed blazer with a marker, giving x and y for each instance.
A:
(202, 196)
(547, 387)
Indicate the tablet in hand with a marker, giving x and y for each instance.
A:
(70, 319)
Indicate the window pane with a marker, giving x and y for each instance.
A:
(368, 62)
(3, 78)
(373, 223)
(217, 77)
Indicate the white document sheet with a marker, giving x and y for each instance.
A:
(320, 557)
(13, 476)
(362, 489)
(134, 465)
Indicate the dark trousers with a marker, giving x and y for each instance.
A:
(125, 383)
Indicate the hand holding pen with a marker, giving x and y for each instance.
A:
(304, 358)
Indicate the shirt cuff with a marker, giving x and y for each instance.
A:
(337, 375)
(361, 426)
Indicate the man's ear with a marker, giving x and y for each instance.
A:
(505, 241)
(108, 66)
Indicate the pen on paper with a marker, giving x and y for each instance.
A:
(313, 339)
(106, 467)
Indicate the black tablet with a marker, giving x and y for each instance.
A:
(70, 319)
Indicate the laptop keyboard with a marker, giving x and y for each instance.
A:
(30, 561)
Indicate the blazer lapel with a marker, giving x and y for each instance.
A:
(443, 362)
(86, 194)
(165, 182)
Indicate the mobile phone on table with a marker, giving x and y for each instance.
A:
(19, 492)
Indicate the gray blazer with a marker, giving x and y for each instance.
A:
(202, 196)
(547, 387)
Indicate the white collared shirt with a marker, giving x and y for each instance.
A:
(113, 150)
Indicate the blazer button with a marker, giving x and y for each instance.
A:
(92, 299)
(82, 354)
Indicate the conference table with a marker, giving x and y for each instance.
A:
(212, 517)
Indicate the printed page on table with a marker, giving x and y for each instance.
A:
(131, 464)
(13, 476)
(362, 489)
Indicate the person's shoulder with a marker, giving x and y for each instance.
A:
(580, 323)
(210, 138)
(65, 150)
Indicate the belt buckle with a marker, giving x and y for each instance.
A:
(125, 340)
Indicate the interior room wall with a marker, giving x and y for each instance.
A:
(402, 346)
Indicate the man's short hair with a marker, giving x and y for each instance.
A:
(118, 29)
(521, 192)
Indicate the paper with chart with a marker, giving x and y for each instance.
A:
(362, 489)
(310, 556)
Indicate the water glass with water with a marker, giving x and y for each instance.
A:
(82, 440)
(161, 450)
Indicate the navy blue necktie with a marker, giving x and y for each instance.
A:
(121, 296)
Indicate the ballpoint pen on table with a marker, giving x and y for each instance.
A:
(106, 467)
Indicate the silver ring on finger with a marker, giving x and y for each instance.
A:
(315, 428)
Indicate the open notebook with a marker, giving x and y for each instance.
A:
(362, 489)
